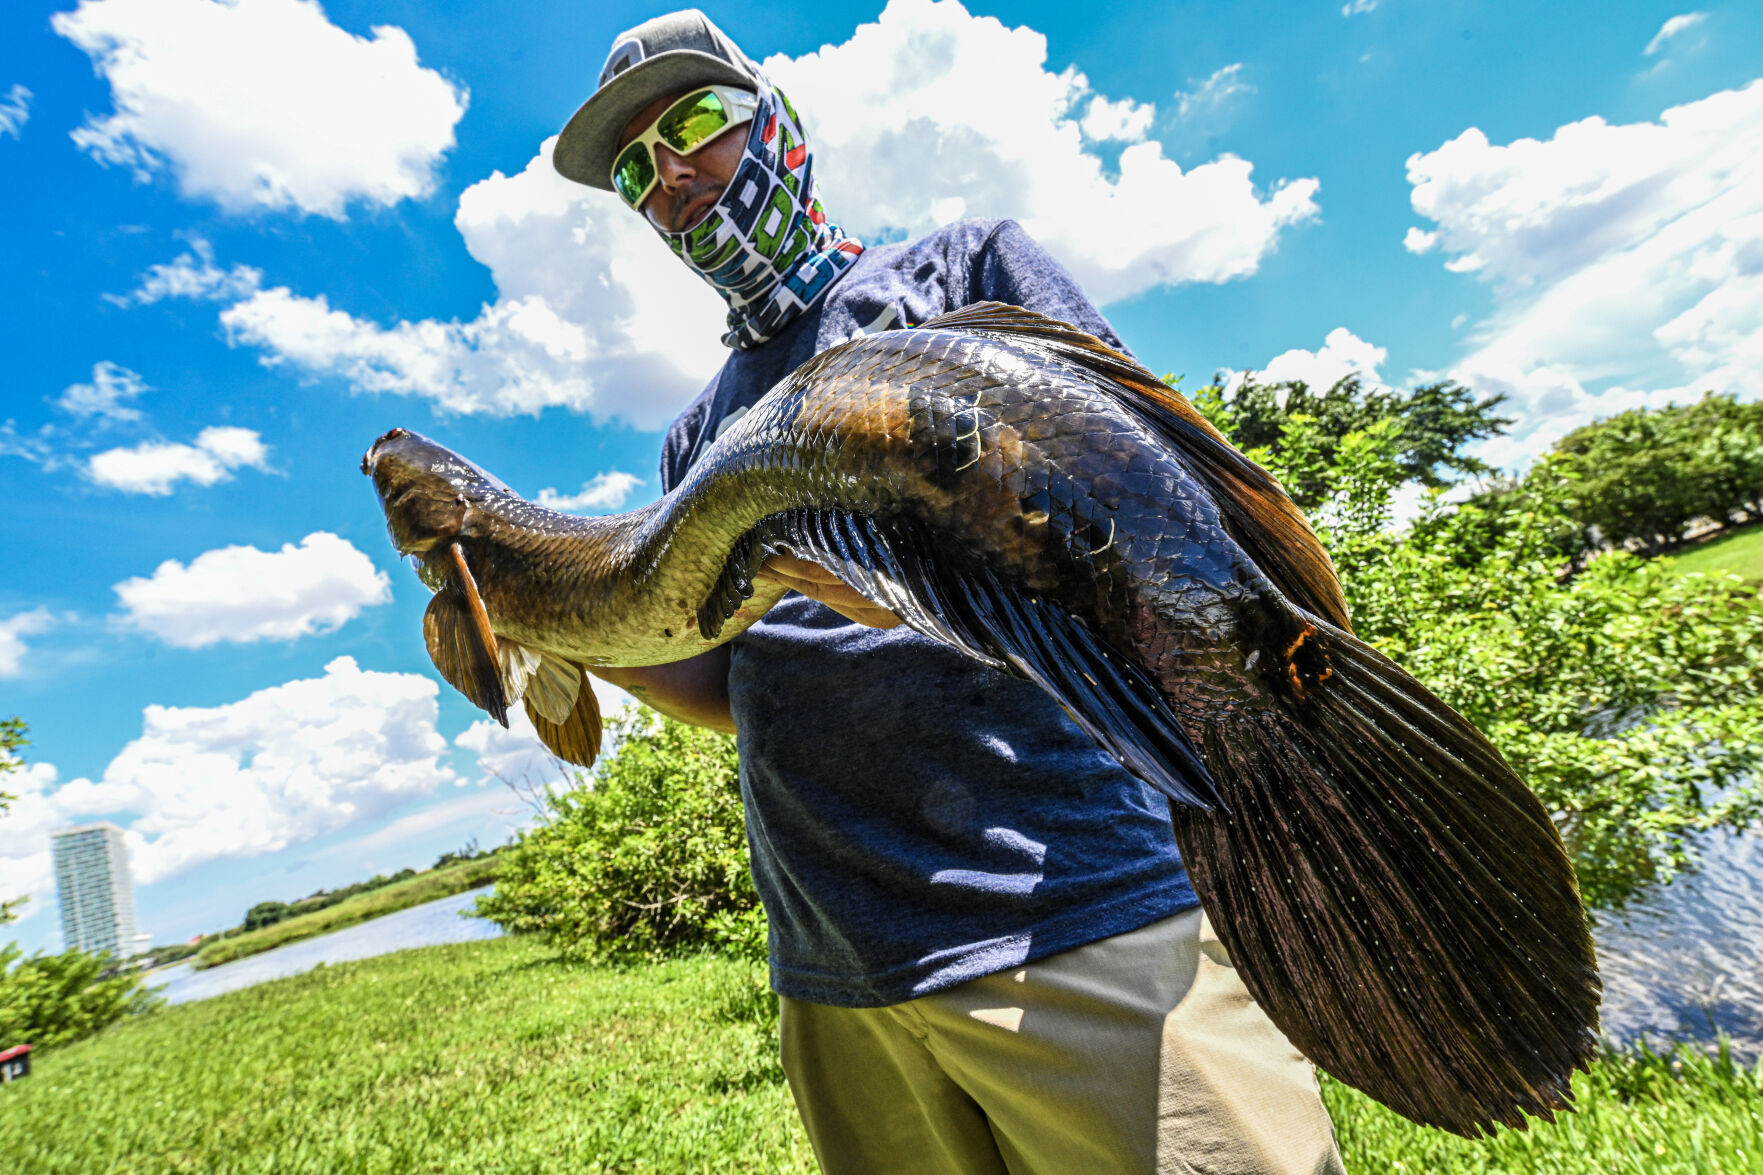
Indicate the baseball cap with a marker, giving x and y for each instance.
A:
(657, 58)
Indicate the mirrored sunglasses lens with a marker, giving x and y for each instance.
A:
(686, 126)
(632, 173)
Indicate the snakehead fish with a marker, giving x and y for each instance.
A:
(1394, 897)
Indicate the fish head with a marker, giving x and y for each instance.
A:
(430, 494)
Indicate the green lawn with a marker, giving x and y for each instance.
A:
(1741, 554)
(493, 1056)
(363, 907)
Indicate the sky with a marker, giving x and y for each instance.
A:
(241, 239)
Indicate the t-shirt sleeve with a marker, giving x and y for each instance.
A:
(1011, 266)
(679, 445)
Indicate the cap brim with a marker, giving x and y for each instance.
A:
(589, 142)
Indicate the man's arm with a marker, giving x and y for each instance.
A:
(694, 690)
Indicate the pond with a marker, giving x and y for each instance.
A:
(1685, 963)
(430, 924)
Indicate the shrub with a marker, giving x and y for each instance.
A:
(646, 858)
(50, 1000)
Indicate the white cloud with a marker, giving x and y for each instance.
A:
(1356, 7)
(191, 275)
(12, 647)
(1681, 23)
(279, 767)
(263, 103)
(1124, 121)
(103, 397)
(1626, 260)
(604, 491)
(1342, 353)
(1212, 93)
(244, 594)
(1417, 240)
(516, 756)
(15, 111)
(594, 315)
(155, 467)
(904, 119)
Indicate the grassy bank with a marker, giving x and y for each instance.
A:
(424, 887)
(1741, 554)
(493, 1056)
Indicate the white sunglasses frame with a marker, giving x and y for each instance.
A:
(742, 104)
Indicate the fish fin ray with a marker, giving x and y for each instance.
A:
(1256, 510)
(457, 650)
(576, 739)
(898, 564)
(1396, 899)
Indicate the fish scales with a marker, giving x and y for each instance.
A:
(1394, 897)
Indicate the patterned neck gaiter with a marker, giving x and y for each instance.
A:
(767, 246)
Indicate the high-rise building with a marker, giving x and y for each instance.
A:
(97, 898)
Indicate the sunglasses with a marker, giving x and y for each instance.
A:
(685, 126)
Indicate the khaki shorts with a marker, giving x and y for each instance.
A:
(1138, 1053)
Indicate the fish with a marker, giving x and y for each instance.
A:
(1393, 895)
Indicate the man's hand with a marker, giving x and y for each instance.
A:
(817, 583)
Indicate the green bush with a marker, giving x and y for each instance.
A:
(645, 859)
(50, 1000)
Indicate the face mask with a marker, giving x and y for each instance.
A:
(766, 246)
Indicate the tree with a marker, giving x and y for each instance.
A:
(1645, 475)
(1630, 697)
(12, 741)
(1432, 425)
(646, 858)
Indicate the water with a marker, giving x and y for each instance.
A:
(1684, 964)
(426, 925)
(1687, 963)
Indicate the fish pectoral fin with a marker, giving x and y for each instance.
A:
(456, 646)
(900, 565)
(576, 738)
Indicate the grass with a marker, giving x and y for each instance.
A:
(363, 907)
(1741, 554)
(494, 1056)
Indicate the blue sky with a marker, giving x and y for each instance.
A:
(241, 240)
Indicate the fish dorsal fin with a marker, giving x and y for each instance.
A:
(460, 642)
(1257, 512)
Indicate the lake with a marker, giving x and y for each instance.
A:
(431, 924)
(1685, 963)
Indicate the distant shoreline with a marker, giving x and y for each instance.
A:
(424, 887)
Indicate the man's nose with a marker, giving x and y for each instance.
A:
(672, 169)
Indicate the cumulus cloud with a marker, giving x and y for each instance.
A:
(1681, 23)
(1124, 121)
(263, 104)
(243, 594)
(155, 467)
(193, 275)
(1342, 353)
(15, 111)
(1626, 260)
(104, 397)
(13, 630)
(603, 491)
(279, 767)
(593, 314)
(904, 121)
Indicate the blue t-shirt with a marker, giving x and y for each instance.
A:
(916, 819)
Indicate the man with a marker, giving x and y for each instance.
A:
(988, 955)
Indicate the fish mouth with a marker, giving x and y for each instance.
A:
(371, 457)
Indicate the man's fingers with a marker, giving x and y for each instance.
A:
(817, 583)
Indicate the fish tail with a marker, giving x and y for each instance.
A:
(1394, 896)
